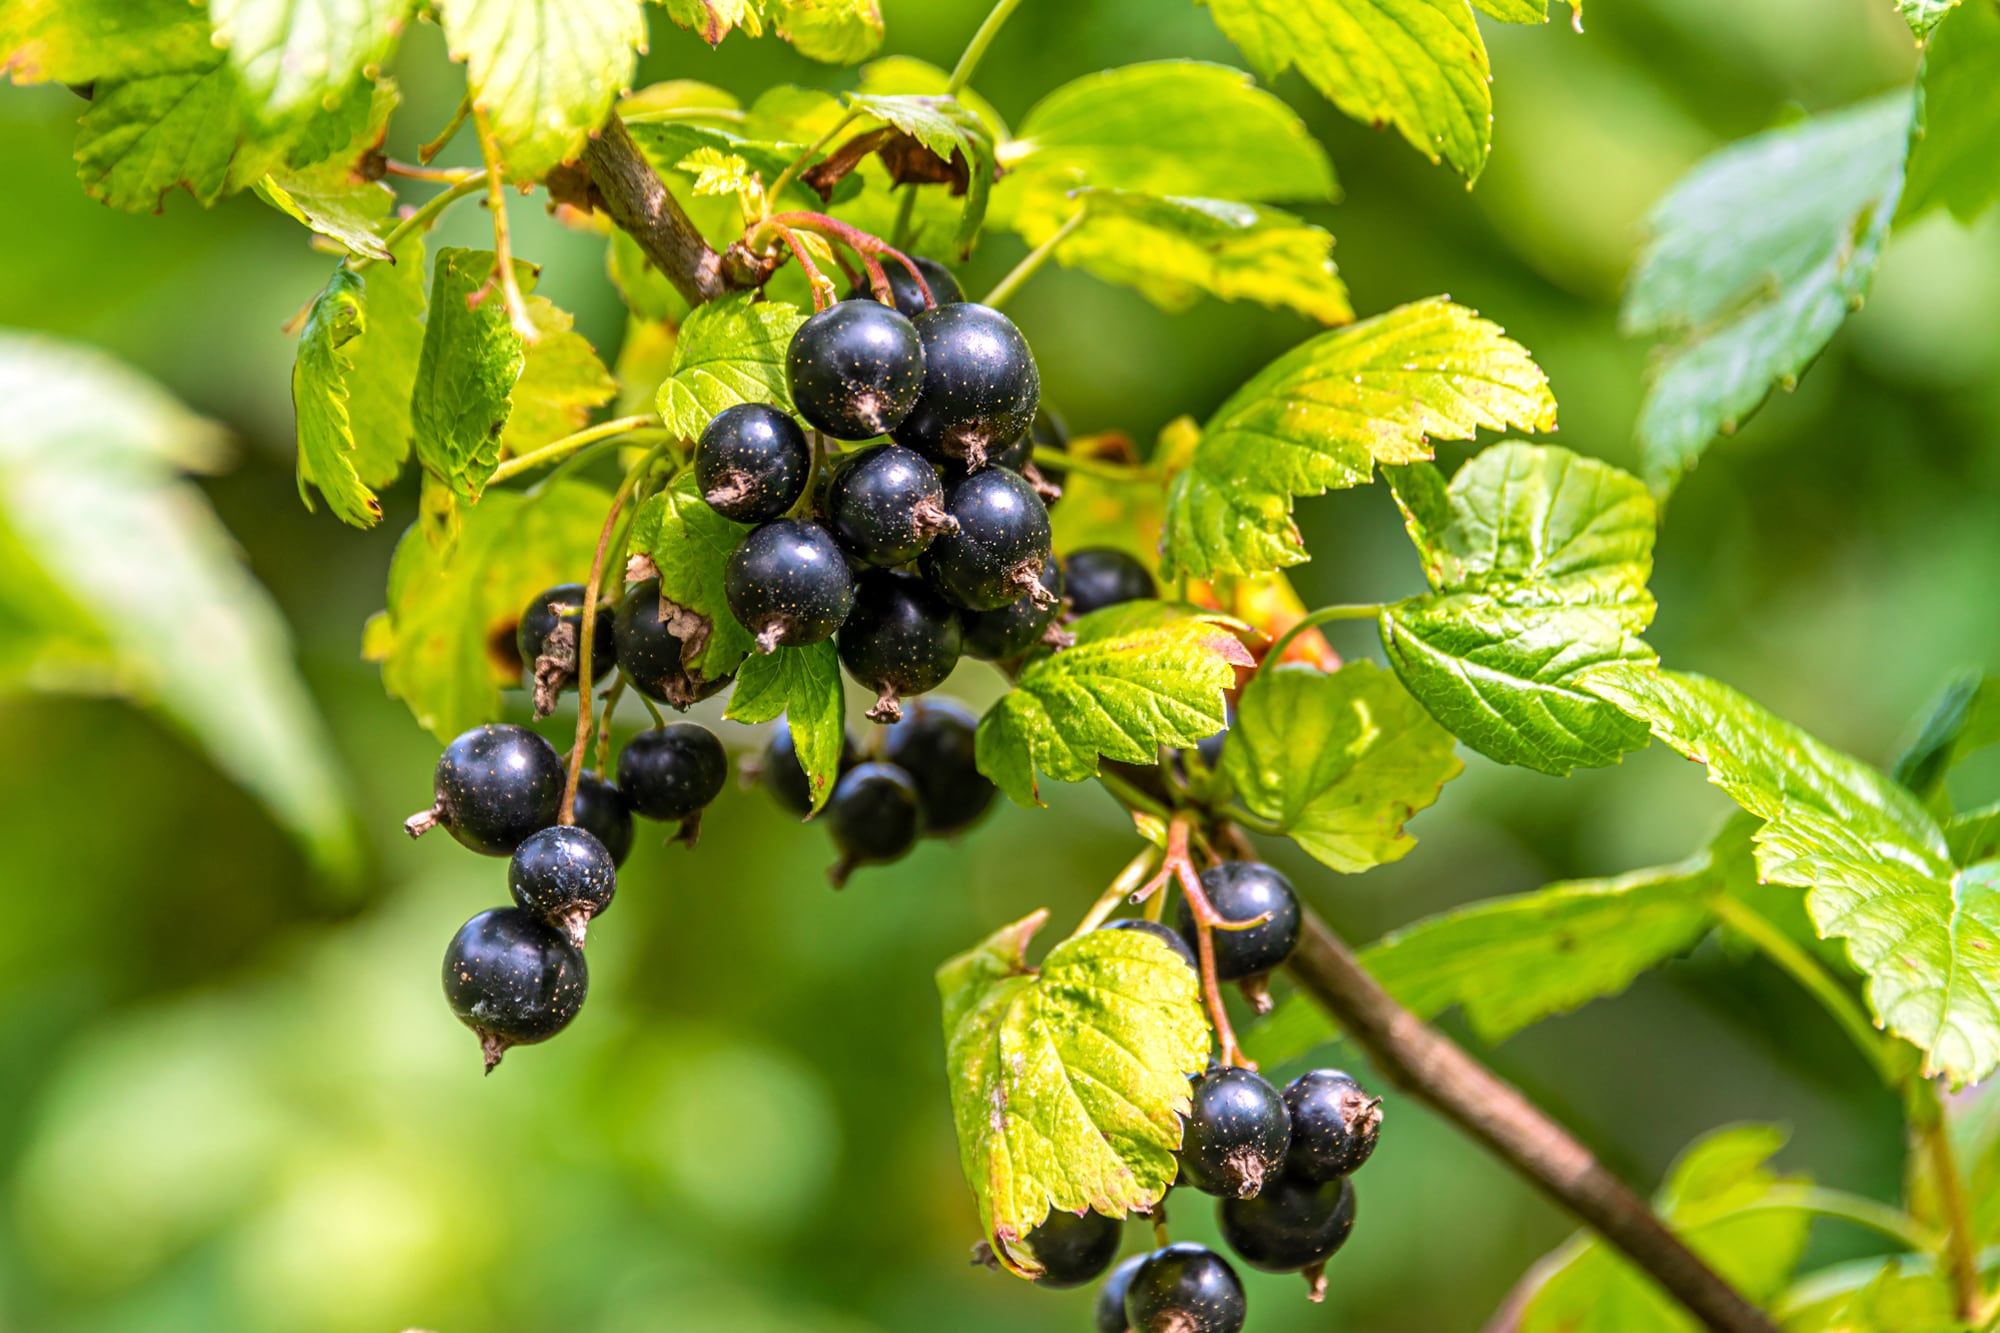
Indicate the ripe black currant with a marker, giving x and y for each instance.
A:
(980, 386)
(783, 776)
(1236, 1133)
(673, 772)
(886, 505)
(513, 979)
(1101, 576)
(564, 875)
(788, 584)
(1073, 1248)
(1185, 1288)
(550, 640)
(856, 369)
(874, 816)
(1291, 1224)
(1111, 1296)
(494, 786)
(1159, 932)
(601, 808)
(752, 462)
(995, 636)
(1000, 547)
(900, 638)
(1243, 891)
(903, 288)
(1334, 1125)
(650, 652)
(934, 744)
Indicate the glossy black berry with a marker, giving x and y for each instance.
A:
(550, 641)
(856, 369)
(1185, 1288)
(602, 809)
(1236, 1133)
(1243, 891)
(1159, 932)
(785, 778)
(900, 639)
(934, 744)
(651, 654)
(752, 463)
(513, 979)
(980, 387)
(1022, 624)
(1334, 1125)
(1101, 576)
(1074, 1248)
(494, 786)
(886, 505)
(1291, 1224)
(564, 875)
(1000, 547)
(672, 772)
(788, 584)
(874, 816)
(1111, 1296)
(908, 296)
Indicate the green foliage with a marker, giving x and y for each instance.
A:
(319, 397)
(1068, 1082)
(1955, 152)
(731, 350)
(295, 59)
(838, 32)
(466, 372)
(952, 131)
(561, 382)
(1964, 718)
(1924, 15)
(333, 197)
(148, 135)
(1891, 1296)
(802, 684)
(691, 544)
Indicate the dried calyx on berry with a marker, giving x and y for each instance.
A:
(752, 463)
(788, 584)
(550, 640)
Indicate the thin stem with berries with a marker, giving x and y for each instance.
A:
(503, 245)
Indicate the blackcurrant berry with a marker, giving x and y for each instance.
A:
(1101, 576)
(995, 636)
(874, 816)
(1243, 891)
(1111, 1296)
(601, 808)
(900, 638)
(788, 584)
(1236, 1134)
(1185, 1288)
(564, 875)
(513, 979)
(886, 505)
(550, 640)
(673, 772)
(651, 653)
(1000, 547)
(1291, 1224)
(752, 463)
(1334, 1125)
(856, 369)
(903, 288)
(935, 745)
(1159, 932)
(785, 778)
(980, 385)
(1073, 1248)
(494, 786)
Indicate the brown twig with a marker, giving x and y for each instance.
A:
(640, 204)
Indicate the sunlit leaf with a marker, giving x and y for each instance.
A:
(296, 56)
(1955, 153)
(691, 544)
(731, 350)
(466, 373)
(803, 686)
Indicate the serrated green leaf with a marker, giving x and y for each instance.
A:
(561, 382)
(717, 172)
(731, 350)
(297, 57)
(334, 198)
(545, 72)
(691, 544)
(446, 640)
(838, 32)
(385, 360)
(1515, 11)
(1068, 1084)
(945, 126)
(1752, 263)
(1924, 15)
(1419, 65)
(466, 373)
(1339, 761)
(712, 20)
(149, 134)
(1140, 676)
(669, 144)
(803, 685)
(93, 499)
(319, 401)
(83, 41)
(1324, 414)
(1955, 153)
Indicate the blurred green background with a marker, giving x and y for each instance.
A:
(231, 1098)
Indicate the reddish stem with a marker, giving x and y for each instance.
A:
(1179, 867)
(814, 278)
(863, 244)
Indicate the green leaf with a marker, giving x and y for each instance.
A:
(385, 359)
(319, 400)
(446, 641)
(561, 382)
(1900, 1295)
(1515, 11)
(691, 544)
(1924, 15)
(1338, 761)
(147, 135)
(1955, 153)
(94, 502)
(1140, 676)
(802, 684)
(1068, 1084)
(951, 130)
(545, 72)
(731, 350)
(334, 198)
(1324, 414)
(1419, 65)
(296, 57)
(838, 32)
(1974, 836)
(669, 144)
(711, 20)
(84, 41)
(1753, 262)
(1175, 250)
(717, 172)
(1964, 718)
(466, 373)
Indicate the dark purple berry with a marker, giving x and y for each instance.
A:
(1101, 576)
(1334, 1125)
(935, 745)
(752, 463)
(672, 772)
(1000, 547)
(1159, 932)
(886, 505)
(903, 288)
(1291, 1224)
(1236, 1134)
(601, 808)
(785, 778)
(1185, 1288)
(874, 816)
(1073, 1248)
(856, 369)
(550, 640)
(900, 639)
(788, 584)
(494, 786)
(564, 875)
(513, 979)
(1022, 624)
(1111, 1296)
(980, 385)
(652, 655)
(1243, 891)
